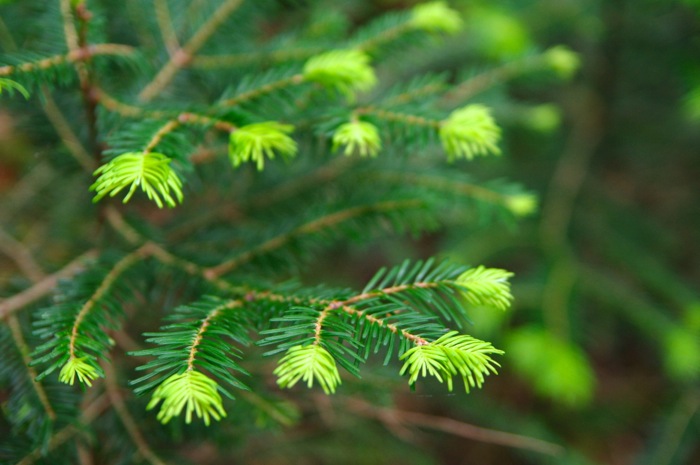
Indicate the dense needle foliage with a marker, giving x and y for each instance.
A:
(219, 213)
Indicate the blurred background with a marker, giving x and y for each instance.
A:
(602, 361)
(603, 343)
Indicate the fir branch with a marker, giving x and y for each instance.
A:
(560, 59)
(23, 348)
(131, 426)
(109, 280)
(517, 202)
(65, 324)
(65, 132)
(158, 136)
(311, 227)
(400, 117)
(268, 88)
(241, 59)
(165, 25)
(75, 56)
(372, 40)
(88, 415)
(184, 54)
(451, 355)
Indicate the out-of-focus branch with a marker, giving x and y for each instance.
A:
(43, 287)
(393, 417)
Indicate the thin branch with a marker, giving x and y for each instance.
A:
(311, 227)
(481, 82)
(23, 348)
(165, 24)
(239, 59)
(387, 35)
(89, 414)
(184, 55)
(399, 117)
(132, 429)
(75, 56)
(347, 307)
(43, 287)
(157, 138)
(436, 182)
(69, 30)
(454, 427)
(194, 347)
(121, 266)
(266, 89)
(21, 255)
(65, 132)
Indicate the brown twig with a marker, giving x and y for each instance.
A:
(43, 287)
(182, 56)
(21, 255)
(393, 416)
(132, 429)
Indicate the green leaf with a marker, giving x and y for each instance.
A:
(256, 141)
(151, 171)
(308, 363)
(191, 391)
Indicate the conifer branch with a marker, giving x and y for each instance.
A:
(183, 55)
(119, 268)
(311, 227)
(348, 307)
(65, 132)
(399, 117)
(164, 130)
(520, 204)
(165, 25)
(241, 59)
(23, 348)
(416, 93)
(69, 30)
(385, 36)
(214, 313)
(45, 286)
(131, 111)
(266, 89)
(89, 414)
(75, 56)
(120, 408)
(560, 59)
